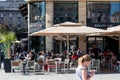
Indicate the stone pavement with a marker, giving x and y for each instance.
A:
(53, 76)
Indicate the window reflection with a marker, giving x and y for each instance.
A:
(65, 11)
(98, 41)
(103, 12)
(37, 22)
(37, 12)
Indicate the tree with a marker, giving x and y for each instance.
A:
(7, 37)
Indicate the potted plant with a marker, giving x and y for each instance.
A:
(6, 38)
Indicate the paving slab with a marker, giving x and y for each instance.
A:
(53, 76)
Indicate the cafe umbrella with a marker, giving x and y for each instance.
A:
(66, 30)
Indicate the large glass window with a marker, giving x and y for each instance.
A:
(98, 41)
(37, 12)
(103, 43)
(104, 11)
(37, 22)
(65, 11)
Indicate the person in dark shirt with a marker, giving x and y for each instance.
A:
(95, 50)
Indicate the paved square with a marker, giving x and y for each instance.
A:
(53, 76)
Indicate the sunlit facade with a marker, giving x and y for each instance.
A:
(94, 13)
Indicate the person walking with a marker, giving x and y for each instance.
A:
(81, 71)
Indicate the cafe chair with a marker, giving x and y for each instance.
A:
(66, 64)
(96, 65)
(31, 66)
(51, 65)
(41, 65)
(15, 65)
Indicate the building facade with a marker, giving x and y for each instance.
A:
(95, 13)
(10, 15)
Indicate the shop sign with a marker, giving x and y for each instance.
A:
(102, 25)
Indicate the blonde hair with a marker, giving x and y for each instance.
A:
(84, 58)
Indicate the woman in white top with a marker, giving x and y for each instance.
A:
(41, 55)
(29, 56)
(81, 71)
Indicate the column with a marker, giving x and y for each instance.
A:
(49, 23)
(82, 44)
(82, 18)
(82, 12)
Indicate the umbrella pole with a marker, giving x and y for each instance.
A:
(68, 46)
(119, 44)
(28, 27)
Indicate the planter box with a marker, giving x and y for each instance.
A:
(7, 65)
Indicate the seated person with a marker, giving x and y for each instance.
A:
(114, 59)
